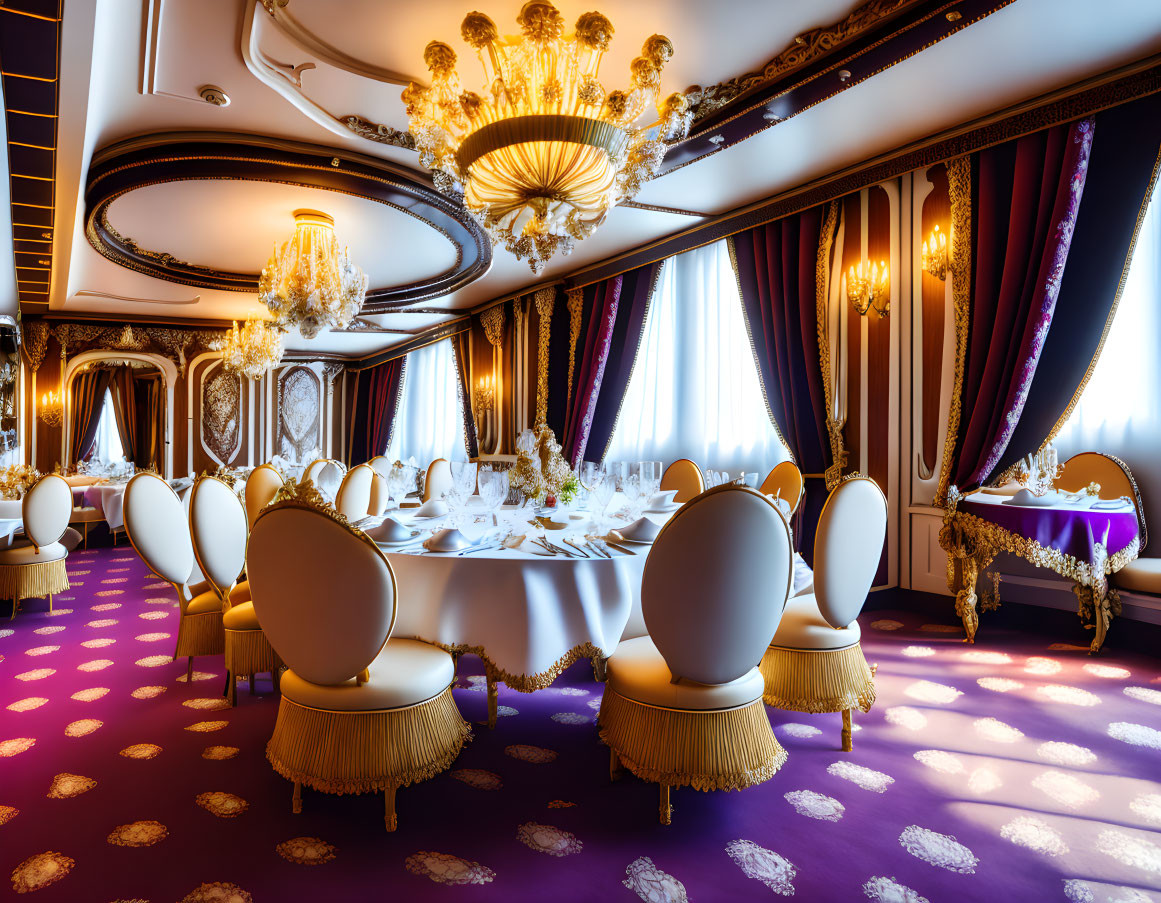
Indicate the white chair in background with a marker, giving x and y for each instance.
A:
(218, 528)
(380, 495)
(156, 522)
(354, 495)
(34, 565)
(327, 476)
(438, 481)
(360, 712)
(261, 487)
(684, 476)
(683, 705)
(381, 464)
(815, 663)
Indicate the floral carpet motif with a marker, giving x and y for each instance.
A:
(1015, 769)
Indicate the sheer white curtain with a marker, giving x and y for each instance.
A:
(430, 421)
(694, 392)
(107, 447)
(1120, 409)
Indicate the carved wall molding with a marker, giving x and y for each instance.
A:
(379, 133)
(221, 413)
(493, 322)
(298, 424)
(35, 342)
(178, 345)
(545, 300)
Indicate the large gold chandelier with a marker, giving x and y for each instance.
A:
(542, 153)
(253, 350)
(310, 282)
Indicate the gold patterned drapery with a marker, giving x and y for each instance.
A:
(545, 300)
(575, 305)
(834, 425)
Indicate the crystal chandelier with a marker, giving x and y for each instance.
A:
(543, 152)
(253, 350)
(310, 282)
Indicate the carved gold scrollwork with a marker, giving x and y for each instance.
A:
(178, 345)
(383, 134)
(493, 322)
(35, 342)
(222, 414)
(575, 305)
(544, 299)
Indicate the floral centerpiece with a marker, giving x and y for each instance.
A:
(16, 480)
(1038, 473)
(541, 472)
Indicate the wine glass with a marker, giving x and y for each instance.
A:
(633, 489)
(602, 493)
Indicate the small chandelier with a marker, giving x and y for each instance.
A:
(869, 288)
(310, 283)
(934, 260)
(253, 350)
(52, 408)
(543, 152)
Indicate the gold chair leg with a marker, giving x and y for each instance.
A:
(666, 810)
(389, 817)
(189, 671)
(615, 767)
(847, 744)
(296, 800)
(493, 700)
(50, 603)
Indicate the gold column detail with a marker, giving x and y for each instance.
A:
(493, 322)
(544, 299)
(959, 188)
(834, 425)
(574, 304)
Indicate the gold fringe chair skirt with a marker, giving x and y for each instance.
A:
(33, 581)
(200, 634)
(366, 752)
(727, 749)
(833, 680)
(249, 652)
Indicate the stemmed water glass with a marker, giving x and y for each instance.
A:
(633, 488)
(600, 495)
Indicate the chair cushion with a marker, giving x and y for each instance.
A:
(637, 671)
(1142, 576)
(86, 515)
(241, 616)
(203, 602)
(240, 593)
(803, 627)
(22, 552)
(406, 672)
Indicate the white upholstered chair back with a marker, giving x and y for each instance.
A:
(716, 582)
(323, 592)
(381, 464)
(46, 508)
(261, 487)
(439, 479)
(847, 547)
(313, 469)
(217, 524)
(156, 523)
(354, 495)
(329, 477)
(380, 495)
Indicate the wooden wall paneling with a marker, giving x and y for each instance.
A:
(935, 298)
(878, 425)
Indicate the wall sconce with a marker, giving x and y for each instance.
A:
(484, 395)
(869, 287)
(935, 255)
(52, 408)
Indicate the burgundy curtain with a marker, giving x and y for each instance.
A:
(148, 417)
(613, 314)
(776, 265)
(1025, 198)
(125, 404)
(460, 344)
(87, 395)
(373, 413)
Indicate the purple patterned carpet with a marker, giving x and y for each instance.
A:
(1017, 769)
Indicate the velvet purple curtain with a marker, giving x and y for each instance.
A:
(373, 411)
(1025, 197)
(613, 316)
(776, 265)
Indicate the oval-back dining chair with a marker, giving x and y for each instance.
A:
(360, 712)
(327, 476)
(815, 662)
(35, 565)
(684, 476)
(218, 529)
(683, 705)
(261, 487)
(155, 520)
(380, 495)
(354, 495)
(1111, 474)
(785, 480)
(438, 481)
(381, 464)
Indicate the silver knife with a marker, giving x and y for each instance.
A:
(619, 547)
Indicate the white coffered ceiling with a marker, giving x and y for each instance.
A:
(133, 67)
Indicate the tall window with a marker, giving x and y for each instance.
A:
(694, 392)
(430, 421)
(107, 447)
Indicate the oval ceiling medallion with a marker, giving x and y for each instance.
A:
(157, 160)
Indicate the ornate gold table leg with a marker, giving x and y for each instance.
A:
(965, 598)
(493, 699)
(665, 810)
(600, 668)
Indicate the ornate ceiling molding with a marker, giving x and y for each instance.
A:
(173, 157)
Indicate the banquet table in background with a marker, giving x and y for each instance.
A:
(1072, 538)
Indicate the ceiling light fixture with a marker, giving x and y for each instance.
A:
(253, 350)
(310, 283)
(542, 153)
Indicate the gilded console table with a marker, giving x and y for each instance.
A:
(1073, 539)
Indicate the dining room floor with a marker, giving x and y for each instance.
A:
(1019, 768)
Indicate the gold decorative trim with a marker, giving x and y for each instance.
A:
(493, 322)
(728, 749)
(834, 425)
(817, 681)
(544, 299)
(35, 342)
(960, 192)
(366, 752)
(179, 345)
(526, 129)
(575, 305)
(522, 683)
(33, 581)
(382, 134)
